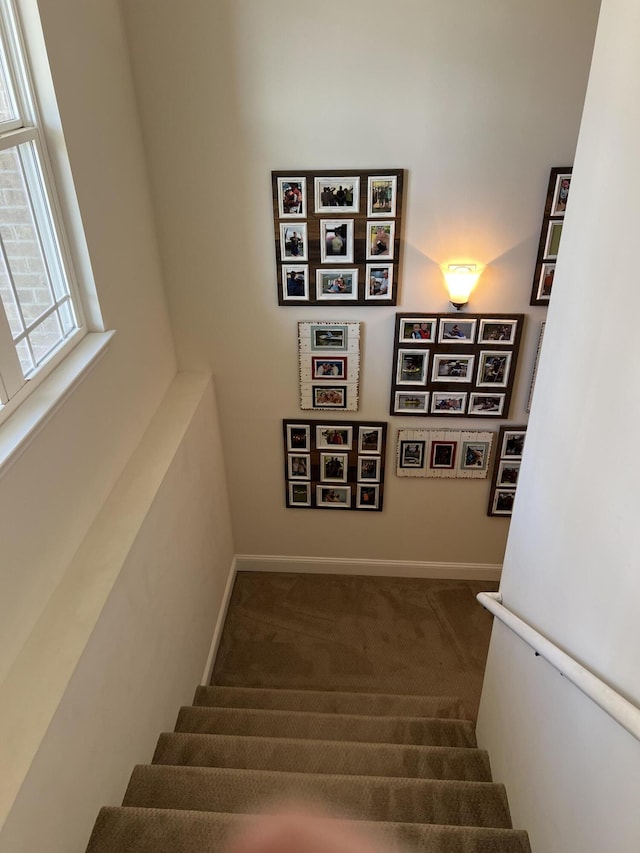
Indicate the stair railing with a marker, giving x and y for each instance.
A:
(620, 709)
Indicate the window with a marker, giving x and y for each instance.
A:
(40, 316)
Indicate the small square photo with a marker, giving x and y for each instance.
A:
(490, 405)
(457, 332)
(298, 437)
(367, 497)
(561, 194)
(334, 497)
(334, 437)
(443, 454)
(336, 241)
(329, 337)
(295, 283)
(497, 331)
(411, 454)
(293, 241)
(299, 466)
(411, 367)
(299, 494)
(448, 403)
(328, 368)
(503, 501)
(417, 330)
(380, 237)
(411, 402)
(475, 455)
(508, 472)
(292, 197)
(329, 396)
(493, 370)
(334, 467)
(452, 368)
(337, 285)
(370, 439)
(381, 195)
(513, 444)
(337, 195)
(369, 468)
(379, 281)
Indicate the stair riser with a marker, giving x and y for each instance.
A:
(370, 798)
(325, 757)
(307, 726)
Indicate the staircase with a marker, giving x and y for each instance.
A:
(408, 763)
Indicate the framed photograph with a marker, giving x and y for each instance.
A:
(334, 437)
(554, 233)
(329, 396)
(443, 454)
(412, 402)
(493, 369)
(367, 496)
(457, 331)
(508, 472)
(513, 443)
(336, 241)
(381, 195)
(411, 454)
(534, 372)
(561, 194)
(411, 368)
(299, 466)
(292, 198)
(490, 405)
(497, 332)
(337, 285)
(328, 368)
(418, 330)
(337, 195)
(299, 494)
(379, 282)
(445, 402)
(380, 236)
(370, 439)
(333, 497)
(369, 468)
(293, 242)
(295, 282)
(298, 437)
(475, 455)
(334, 467)
(452, 368)
(331, 337)
(503, 501)
(545, 281)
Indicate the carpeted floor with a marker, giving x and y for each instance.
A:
(333, 632)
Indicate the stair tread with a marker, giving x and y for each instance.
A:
(320, 726)
(370, 797)
(127, 829)
(330, 701)
(311, 756)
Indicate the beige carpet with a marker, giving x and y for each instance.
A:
(332, 632)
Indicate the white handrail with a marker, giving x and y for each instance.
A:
(619, 708)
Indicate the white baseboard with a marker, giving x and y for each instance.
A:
(217, 631)
(379, 568)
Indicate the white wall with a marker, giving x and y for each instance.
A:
(571, 567)
(476, 100)
(51, 494)
(132, 623)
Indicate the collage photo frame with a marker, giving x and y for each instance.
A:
(452, 365)
(550, 234)
(451, 454)
(506, 471)
(329, 365)
(336, 465)
(338, 236)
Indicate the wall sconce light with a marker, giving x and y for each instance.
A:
(461, 279)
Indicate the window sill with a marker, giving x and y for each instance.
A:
(25, 423)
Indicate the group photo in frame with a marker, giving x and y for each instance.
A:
(329, 365)
(334, 465)
(550, 234)
(451, 454)
(506, 470)
(453, 365)
(345, 222)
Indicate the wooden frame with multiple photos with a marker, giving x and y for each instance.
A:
(334, 464)
(453, 365)
(506, 470)
(337, 236)
(552, 222)
(329, 359)
(460, 454)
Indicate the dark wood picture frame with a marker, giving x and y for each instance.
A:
(370, 272)
(465, 384)
(365, 494)
(550, 234)
(502, 494)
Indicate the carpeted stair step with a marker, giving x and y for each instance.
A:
(310, 756)
(331, 702)
(307, 725)
(365, 797)
(139, 830)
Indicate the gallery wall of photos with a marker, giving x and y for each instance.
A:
(337, 465)
(550, 234)
(449, 453)
(338, 236)
(506, 470)
(452, 365)
(329, 359)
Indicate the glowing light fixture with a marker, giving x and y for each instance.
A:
(461, 279)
